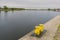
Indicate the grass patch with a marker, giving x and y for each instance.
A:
(59, 27)
(56, 34)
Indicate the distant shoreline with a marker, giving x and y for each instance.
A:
(5, 8)
(11, 9)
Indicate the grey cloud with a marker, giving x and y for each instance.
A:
(31, 3)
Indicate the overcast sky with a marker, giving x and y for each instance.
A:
(31, 3)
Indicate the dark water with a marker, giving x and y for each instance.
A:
(14, 25)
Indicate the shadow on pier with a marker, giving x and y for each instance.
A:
(33, 35)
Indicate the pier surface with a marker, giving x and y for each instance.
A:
(50, 30)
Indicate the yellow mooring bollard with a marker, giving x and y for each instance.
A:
(39, 29)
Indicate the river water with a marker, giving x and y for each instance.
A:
(14, 25)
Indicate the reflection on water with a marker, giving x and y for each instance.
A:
(6, 11)
(0, 11)
(14, 25)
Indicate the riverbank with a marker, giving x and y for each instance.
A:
(5, 8)
(11, 9)
(49, 33)
(57, 34)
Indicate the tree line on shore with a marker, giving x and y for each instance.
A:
(5, 8)
(55, 9)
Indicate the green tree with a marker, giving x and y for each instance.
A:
(0, 8)
(5, 7)
(49, 9)
(54, 9)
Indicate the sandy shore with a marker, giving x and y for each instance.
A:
(49, 32)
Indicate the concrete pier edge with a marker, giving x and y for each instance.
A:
(50, 26)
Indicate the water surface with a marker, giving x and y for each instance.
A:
(14, 25)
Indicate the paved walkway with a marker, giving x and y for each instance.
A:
(48, 34)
